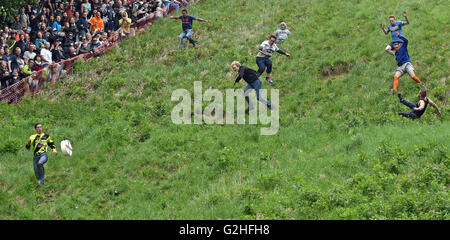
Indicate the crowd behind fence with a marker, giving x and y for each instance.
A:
(56, 70)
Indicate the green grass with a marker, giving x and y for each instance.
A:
(341, 152)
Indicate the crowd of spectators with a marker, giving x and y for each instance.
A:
(55, 30)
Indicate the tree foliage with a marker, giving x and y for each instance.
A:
(9, 8)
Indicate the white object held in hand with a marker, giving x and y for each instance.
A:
(66, 147)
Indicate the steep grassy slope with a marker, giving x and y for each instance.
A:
(342, 152)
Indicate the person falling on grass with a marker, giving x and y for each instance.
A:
(403, 62)
(40, 141)
(394, 27)
(266, 49)
(253, 81)
(417, 109)
(187, 21)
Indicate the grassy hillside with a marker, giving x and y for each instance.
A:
(341, 152)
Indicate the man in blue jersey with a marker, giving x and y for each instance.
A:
(187, 21)
(394, 27)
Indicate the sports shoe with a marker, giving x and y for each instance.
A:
(40, 183)
(269, 80)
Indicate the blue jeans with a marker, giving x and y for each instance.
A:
(186, 34)
(38, 161)
(262, 63)
(257, 86)
(411, 105)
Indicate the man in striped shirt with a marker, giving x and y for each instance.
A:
(266, 49)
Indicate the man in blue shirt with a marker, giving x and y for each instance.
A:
(403, 61)
(394, 27)
(187, 28)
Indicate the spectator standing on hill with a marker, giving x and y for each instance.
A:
(187, 21)
(57, 23)
(253, 81)
(38, 63)
(29, 68)
(86, 6)
(125, 24)
(40, 40)
(97, 24)
(39, 143)
(16, 59)
(5, 76)
(83, 24)
(282, 33)
(394, 27)
(30, 54)
(46, 55)
(57, 51)
(403, 62)
(417, 109)
(266, 49)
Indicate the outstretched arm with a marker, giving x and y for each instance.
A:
(174, 17)
(284, 53)
(51, 144)
(202, 20)
(384, 29)
(405, 40)
(406, 18)
(435, 106)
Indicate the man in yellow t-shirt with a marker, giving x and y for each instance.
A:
(125, 24)
(40, 142)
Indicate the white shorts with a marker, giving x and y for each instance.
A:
(405, 68)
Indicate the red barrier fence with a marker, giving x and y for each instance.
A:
(52, 73)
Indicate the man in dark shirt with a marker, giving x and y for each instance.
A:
(252, 78)
(16, 59)
(187, 27)
(83, 25)
(4, 79)
(403, 62)
(57, 52)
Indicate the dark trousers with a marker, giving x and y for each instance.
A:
(262, 63)
(411, 105)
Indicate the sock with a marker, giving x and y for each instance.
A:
(416, 79)
(395, 83)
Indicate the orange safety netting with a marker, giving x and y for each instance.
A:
(52, 73)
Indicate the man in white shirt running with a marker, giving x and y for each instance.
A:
(266, 50)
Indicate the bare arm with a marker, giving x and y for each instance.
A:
(421, 105)
(406, 18)
(174, 17)
(434, 105)
(202, 20)
(384, 30)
